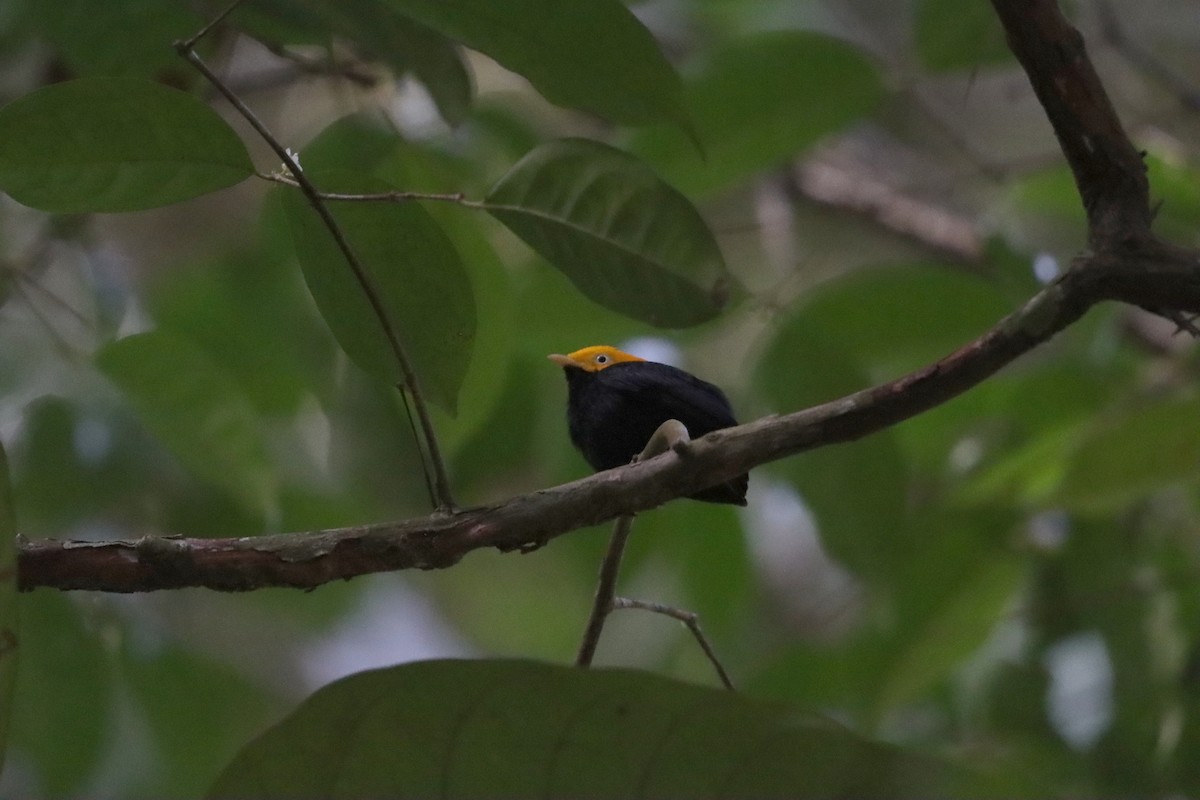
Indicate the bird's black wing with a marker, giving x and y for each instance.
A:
(675, 394)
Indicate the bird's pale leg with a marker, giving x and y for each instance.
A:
(671, 435)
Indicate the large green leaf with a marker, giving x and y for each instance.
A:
(758, 102)
(626, 239)
(357, 142)
(1098, 465)
(8, 605)
(525, 729)
(196, 409)
(369, 143)
(1132, 454)
(115, 144)
(194, 733)
(415, 272)
(251, 313)
(857, 491)
(899, 317)
(589, 54)
(63, 710)
(382, 32)
(952, 597)
(122, 37)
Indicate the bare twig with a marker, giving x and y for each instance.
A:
(671, 435)
(602, 604)
(690, 620)
(189, 44)
(443, 498)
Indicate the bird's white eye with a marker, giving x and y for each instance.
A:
(602, 359)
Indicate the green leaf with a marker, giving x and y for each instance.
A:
(9, 608)
(63, 714)
(193, 733)
(928, 311)
(357, 142)
(959, 34)
(285, 22)
(865, 527)
(1027, 475)
(1098, 465)
(251, 314)
(483, 381)
(589, 54)
(759, 102)
(407, 45)
(196, 409)
(122, 37)
(416, 272)
(1175, 186)
(115, 144)
(970, 602)
(625, 239)
(1131, 455)
(524, 729)
(376, 29)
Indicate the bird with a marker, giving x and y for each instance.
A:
(616, 401)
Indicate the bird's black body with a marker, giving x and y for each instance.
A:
(613, 412)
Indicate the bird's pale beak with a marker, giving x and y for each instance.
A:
(561, 360)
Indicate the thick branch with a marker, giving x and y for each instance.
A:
(1108, 169)
(305, 560)
(1126, 264)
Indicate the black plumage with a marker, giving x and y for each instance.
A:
(615, 406)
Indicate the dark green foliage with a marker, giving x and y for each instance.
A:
(997, 597)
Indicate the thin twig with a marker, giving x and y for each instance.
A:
(444, 499)
(671, 435)
(689, 619)
(606, 588)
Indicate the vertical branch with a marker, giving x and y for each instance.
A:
(1108, 169)
(606, 589)
(441, 484)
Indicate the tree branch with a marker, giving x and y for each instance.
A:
(1108, 169)
(306, 560)
(1126, 263)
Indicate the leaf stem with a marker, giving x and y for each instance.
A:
(397, 196)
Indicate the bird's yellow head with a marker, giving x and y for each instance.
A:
(594, 358)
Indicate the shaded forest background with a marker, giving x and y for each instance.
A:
(1007, 581)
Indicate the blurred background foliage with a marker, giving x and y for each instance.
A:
(1009, 578)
